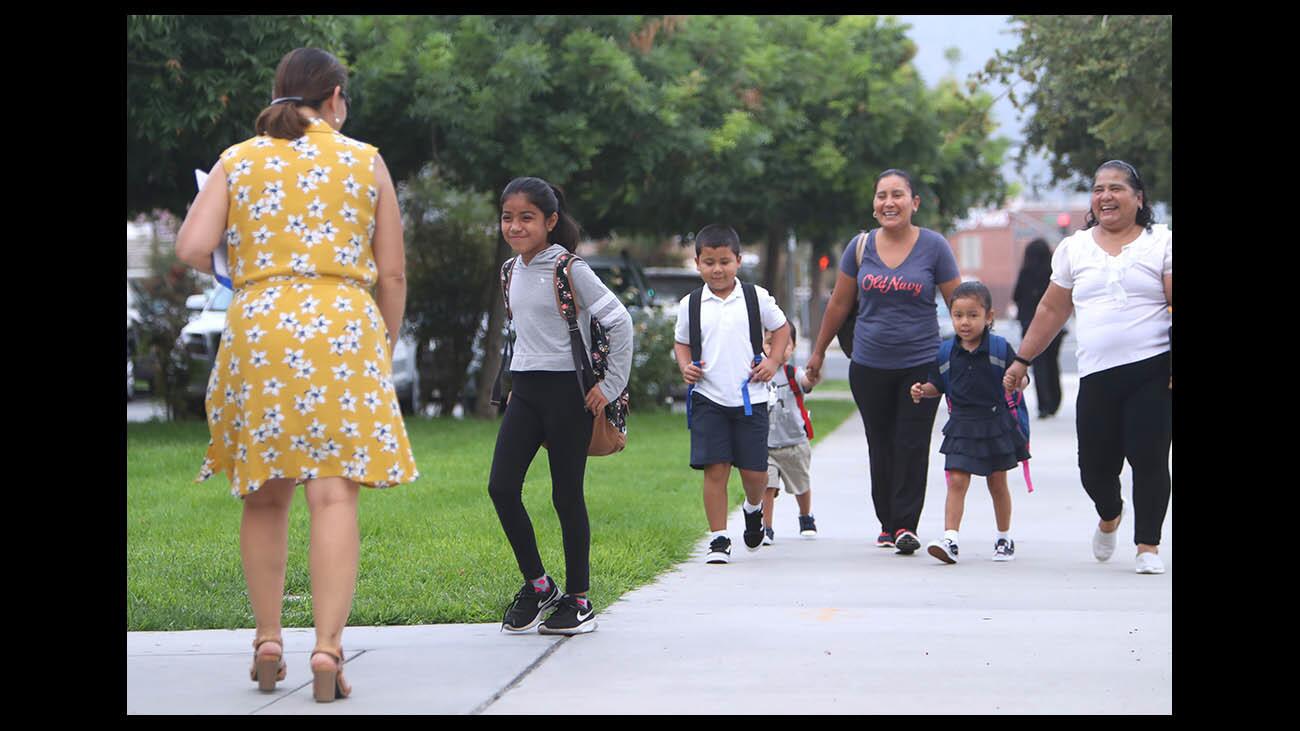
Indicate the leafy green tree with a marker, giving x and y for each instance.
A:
(1100, 87)
(194, 85)
(450, 255)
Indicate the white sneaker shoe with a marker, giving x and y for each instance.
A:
(1150, 563)
(944, 550)
(1103, 544)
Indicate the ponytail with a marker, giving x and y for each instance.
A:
(306, 77)
(281, 120)
(567, 231)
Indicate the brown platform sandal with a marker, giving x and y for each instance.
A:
(267, 669)
(329, 685)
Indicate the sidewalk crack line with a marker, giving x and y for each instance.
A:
(519, 678)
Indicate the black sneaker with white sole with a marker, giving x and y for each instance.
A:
(807, 526)
(570, 618)
(719, 550)
(526, 610)
(906, 542)
(753, 529)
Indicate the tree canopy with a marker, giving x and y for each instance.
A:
(1101, 88)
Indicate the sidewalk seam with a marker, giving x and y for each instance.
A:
(259, 709)
(519, 678)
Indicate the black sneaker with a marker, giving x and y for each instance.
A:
(807, 526)
(906, 542)
(769, 536)
(884, 540)
(526, 610)
(719, 550)
(753, 529)
(569, 618)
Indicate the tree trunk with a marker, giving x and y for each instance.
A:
(483, 407)
(776, 235)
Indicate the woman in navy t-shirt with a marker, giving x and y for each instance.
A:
(895, 340)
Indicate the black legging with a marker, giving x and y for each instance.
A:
(1047, 376)
(1126, 412)
(544, 406)
(898, 440)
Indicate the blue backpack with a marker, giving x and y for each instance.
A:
(998, 352)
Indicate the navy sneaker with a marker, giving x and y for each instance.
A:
(525, 611)
(807, 526)
(753, 529)
(570, 618)
(906, 542)
(769, 536)
(1004, 550)
(884, 540)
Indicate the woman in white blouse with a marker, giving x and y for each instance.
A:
(1116, 275)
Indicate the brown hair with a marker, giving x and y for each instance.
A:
(307, 76)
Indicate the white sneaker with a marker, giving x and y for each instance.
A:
(943, 549)
(1103, 544)
(1150, 563)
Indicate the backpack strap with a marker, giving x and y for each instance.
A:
(755, 322)
(862, 246)
(507, 348)
(1015, 399)
(792, 378)
(568, 306)
(697, 341)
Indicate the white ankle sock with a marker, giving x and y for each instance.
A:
(717, 534)
(752, 508)
(950, 535)
(1003, 534)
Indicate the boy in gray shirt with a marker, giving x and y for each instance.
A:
(789, 454)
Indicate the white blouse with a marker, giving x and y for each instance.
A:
(1119, 301)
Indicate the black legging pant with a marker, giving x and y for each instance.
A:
(545, 406)
(1047, 376)
(1126, 413)
(898, 440)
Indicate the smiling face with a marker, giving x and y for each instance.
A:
(969, 318)
(718, 266)
(1115, 203)
(895, 202)
(524, 226)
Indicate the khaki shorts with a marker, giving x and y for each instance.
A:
(790, 465)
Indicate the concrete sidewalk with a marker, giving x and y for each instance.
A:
(824, 625)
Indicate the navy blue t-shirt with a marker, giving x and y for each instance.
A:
(898, 325)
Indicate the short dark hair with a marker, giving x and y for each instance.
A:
(976, 291)
(548, 199)
(1145, 216)
(715, 235)
(791, 324)
(899, 173)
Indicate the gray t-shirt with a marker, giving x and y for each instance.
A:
(784, 422)
(898, 325)
(542, 334)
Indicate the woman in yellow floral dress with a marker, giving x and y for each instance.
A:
(301, 389)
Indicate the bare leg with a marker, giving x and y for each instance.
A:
(955, 505)
(805, 502)
(264, 547)
(755, 484)
(769, 502)
(715, 495)
(335, 550)
(1001, 500)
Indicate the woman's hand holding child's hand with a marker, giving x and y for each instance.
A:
(918, 391)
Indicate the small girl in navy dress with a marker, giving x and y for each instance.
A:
(981, 436)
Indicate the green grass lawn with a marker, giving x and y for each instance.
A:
(431, 551)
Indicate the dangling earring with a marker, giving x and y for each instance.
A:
(336, 121)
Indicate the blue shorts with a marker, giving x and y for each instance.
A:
(723, 434)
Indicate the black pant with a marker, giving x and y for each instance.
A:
(1047, 376)
(545, 406)
(1126, 413)
(898, 440)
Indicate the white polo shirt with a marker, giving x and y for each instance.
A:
(724, 339)
(1119, 301)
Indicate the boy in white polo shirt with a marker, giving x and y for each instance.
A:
(728, 375)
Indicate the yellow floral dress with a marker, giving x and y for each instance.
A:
(301, 387)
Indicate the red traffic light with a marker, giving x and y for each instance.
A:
(1063, 220)
(823, 262)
